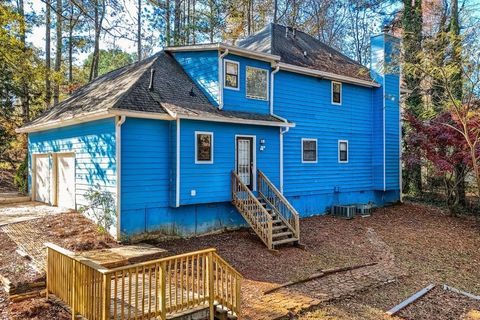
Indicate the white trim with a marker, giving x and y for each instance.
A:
(348, 151)
(223, 46)
(327, 75)
(316, 150)
(246, 87)
(234, 120)
(331, 93)
(211, 148)
(254, 156)
(177, 182)
(281, 160)
(118, 153)
(225, 61)
(92, 116)
(220, 77)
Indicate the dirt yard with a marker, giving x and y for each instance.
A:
(414, 245)
(69, 230)
(428, 246)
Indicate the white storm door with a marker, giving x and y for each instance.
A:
(66, 181)
(42, 178)
(245, 160)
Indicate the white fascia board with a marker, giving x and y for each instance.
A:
(327, 75)
(232, 49)
(238, 120)
(87, 117)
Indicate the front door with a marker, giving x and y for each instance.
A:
(245, 160)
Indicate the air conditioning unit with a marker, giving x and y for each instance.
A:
(364, 210)
(346, 212)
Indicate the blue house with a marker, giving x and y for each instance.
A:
(208, 137)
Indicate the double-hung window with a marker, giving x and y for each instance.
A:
(257, 83)
(343, 151)
(309, 150)
(336, 93)
(203, 147)
(231, 74)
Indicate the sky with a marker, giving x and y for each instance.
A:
(37, 37)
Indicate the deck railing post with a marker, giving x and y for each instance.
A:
(74, 287)
(163, 290)
(47, 276)
(106, 292)
(211, 290)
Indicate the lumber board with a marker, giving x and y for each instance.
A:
(467, 294)
(410, 299)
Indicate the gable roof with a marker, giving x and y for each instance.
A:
(301, 49)
(126, 90)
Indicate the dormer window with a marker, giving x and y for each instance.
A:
(336, 93)
(257, 83)
(231, 74)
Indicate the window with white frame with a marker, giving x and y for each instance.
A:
(336, 93)
(257, 83)
(309, 150)
(231, 74)
(343, 151)
(203, 147)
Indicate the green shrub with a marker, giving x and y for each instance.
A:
(101, 207)
(21, 176)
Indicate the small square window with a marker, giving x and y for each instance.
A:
(336, 93)
(343, 151)
(257, 83)
(231, 74)
(203, 147)
(309, 150)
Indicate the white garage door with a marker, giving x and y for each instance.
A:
(42, 178)
(66, 181)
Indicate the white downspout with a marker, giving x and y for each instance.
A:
(177, 185)
(282, 131)
(220, 79)
(118, 152)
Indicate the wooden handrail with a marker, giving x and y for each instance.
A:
(152, 289)
(252, 210)
(278, 203)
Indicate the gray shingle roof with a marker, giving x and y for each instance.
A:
(279, 40)
(127, 89)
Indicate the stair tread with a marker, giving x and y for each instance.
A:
(279, 228)
(288, 240)
(281, 234)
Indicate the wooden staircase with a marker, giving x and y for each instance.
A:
(269, 214)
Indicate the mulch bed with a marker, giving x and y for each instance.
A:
(38, 309)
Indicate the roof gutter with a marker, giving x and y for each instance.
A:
(220, 79)
(327, 75)
(223, 46)
(92, 116)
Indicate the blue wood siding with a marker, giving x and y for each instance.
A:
(202, 67)
(236, 100)
(149, 172)
(95, 154)
(212, 182)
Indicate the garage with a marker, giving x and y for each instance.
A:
(42, 178)
(65, 177)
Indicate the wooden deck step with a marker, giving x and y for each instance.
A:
(277, 228)
(281, 234)
(284, 241)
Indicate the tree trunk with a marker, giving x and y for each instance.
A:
(58, 52)
(71, 25)
(167, 18)
(275, 11)
(139, 31)
(48, 22)
(98, 28)
(176, 21)
(24, 99)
